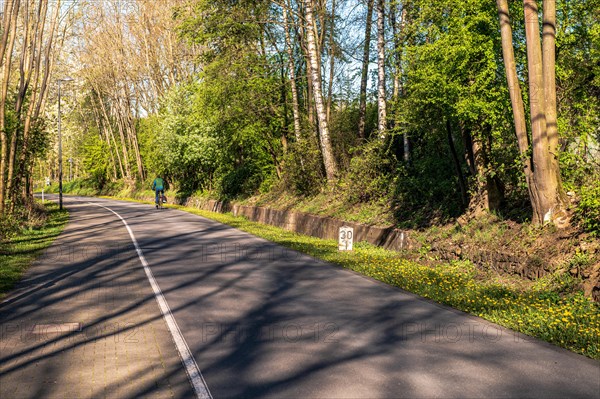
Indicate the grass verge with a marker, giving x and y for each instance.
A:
(19, 250)
(567, 320)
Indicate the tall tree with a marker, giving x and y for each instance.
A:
(547, 189)
(43, 69)
(10, 31)
(541, 167)
(24, 77)
(396, 39)
(404, 22)
(329, 161)
(398, 33)
(514, 89)
(381, 92)
(362, 108)
(332, 54)
(549, 71)
(292, 72)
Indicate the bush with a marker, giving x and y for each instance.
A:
(245, 179)
(302, 169)
(20, 220)
(426, 192)
(588, 209)
(370, 175)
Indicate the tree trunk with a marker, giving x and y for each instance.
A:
(549, 66)
(467, 140)
(138, 155)
(127, 113)
(25, 69)
(514, 89)
(5, 73)
(397, 49)
(7, 11)
(123, 142)
(398, 34)
(331, 61)
(309, 99)
(24, 61)
(34, 98)
(318, 13)
(362, 108)
(326, 148)
(404, 16)
(381, 100)
(112, 135)
(545, 190)
(48, 63)
(103, 132)
(487, 195)
(292, 67)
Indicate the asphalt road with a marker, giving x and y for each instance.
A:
(264, 321)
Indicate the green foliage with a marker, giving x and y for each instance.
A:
(227, 131)
(96, 159)
(222, 131)
(302, 169)
(243, 179)
(426, 193)
(148, 129)
(184, 148)
(39, 139)
(370, 176)
(578, 90)
(588, 209)
(557, 281)
(87, 186)
(198, 146)
(344, 132)
(16, 222)
(453, 78)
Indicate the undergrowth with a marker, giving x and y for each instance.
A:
(19, 248)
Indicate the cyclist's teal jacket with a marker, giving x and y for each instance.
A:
(158, 184)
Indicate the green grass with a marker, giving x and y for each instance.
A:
(567, 320)
(18, 251)
(74, 187)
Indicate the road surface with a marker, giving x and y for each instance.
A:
(201, 309)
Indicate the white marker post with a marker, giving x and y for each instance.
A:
(345, 238)
(42, 195)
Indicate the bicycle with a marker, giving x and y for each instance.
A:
(162, 199)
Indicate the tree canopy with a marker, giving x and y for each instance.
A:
(404, 102)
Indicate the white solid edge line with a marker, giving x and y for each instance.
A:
(189, 363)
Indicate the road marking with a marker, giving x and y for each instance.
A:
(189, 363)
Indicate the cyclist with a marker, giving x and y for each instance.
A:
(158, 185)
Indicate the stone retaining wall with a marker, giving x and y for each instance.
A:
(307, 224)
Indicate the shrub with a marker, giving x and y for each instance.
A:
(370, 175)
(245, 179)
(588, 209)
(302, 169)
